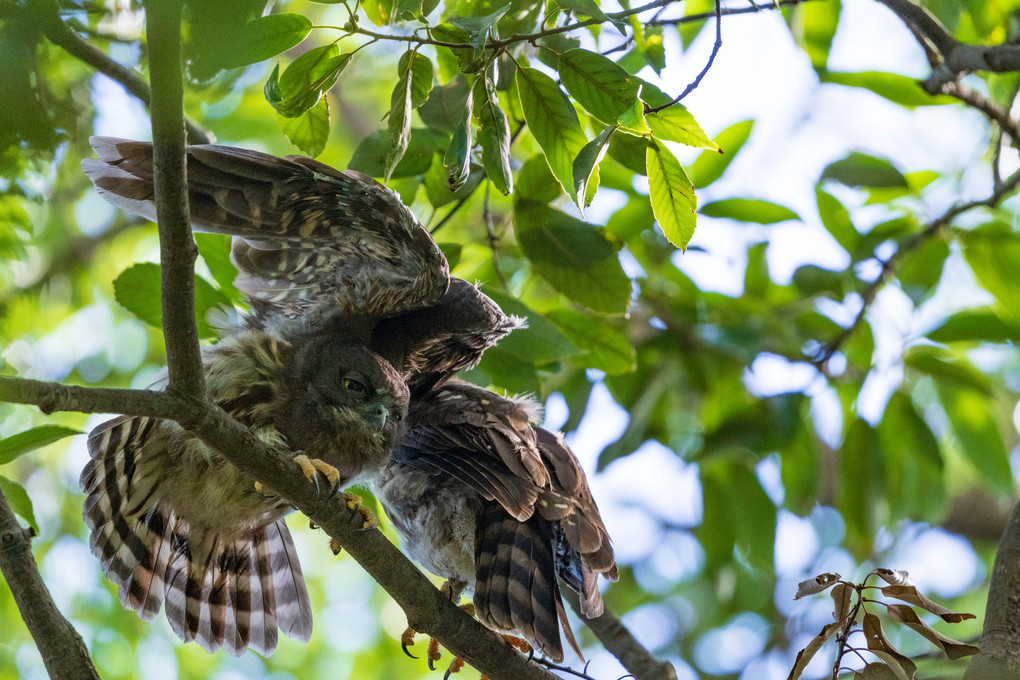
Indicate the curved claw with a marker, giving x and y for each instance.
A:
(403, 646)
(432, 666)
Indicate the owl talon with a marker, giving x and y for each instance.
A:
(455, 666)
(368, 518)
(310, 467)
(434, 654)
(407, 640)
(335, 546)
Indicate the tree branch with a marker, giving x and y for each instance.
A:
(1000, 640)
(44, 15)
(957, 58)
(177, 250)
(726, 11)
(909, 245)
(51, 397)
(711, 59)
(622, 644)
(62, 649)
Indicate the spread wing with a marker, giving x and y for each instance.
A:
(307, 238)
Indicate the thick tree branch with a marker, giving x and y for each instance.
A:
(957, 58)
(1000, 640)
(428, 611)
(44, 15)
(177, 248)
(62, 649)
(889, 265)
(622, 644)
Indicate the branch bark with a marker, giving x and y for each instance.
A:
(1000, 641)
(622, 644)
(177, 249)
(62, 649)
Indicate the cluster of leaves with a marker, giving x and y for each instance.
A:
(851, 610)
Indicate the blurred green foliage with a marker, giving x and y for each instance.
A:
(606, 301)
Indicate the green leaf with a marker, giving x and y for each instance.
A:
(738, 515)
(896, 88)
(607, 347)
(370, 156)
(913, 461)
(672, 194)
(444, 110)
(541, 341)
(536, 181)
(574, 256)
(629, 151)
(137, 290)
(310, 130)
(674, 124)
(814, 25)
(588, 8)
(946, 368)
(412, 89)
(976, 325)
(710, 165)
(29, 440)
(304, 82)
(862, 481)
(862, 170)
(747, 210)
(585, 168)
(970, 414)
(479, 27)
(993, 253)
(505, 370)
(215, 250)
(493, 135)
(598, 83)
(553, 122)
(19, 501)
(836, 220)
(920, 269)
(264, 38)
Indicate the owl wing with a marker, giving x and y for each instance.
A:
(307, 238)
(231, 592)
(541, 522)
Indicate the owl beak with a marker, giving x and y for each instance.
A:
(377, 418)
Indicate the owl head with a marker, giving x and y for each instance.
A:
(344, 404)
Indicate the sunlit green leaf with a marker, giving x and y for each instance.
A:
(862, 170)
(608, 349)
(412, 89)
(672, 194)
(585, 169)
(264, 38)
(310, 130)
(137, 290)
(675, 123)
(814, 25)
(748, 210)
(899, 89)
(29, 440)
(598, 83)
(19, 501)
(493, 135)
(710, 165)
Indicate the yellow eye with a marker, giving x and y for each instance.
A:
(352, 385)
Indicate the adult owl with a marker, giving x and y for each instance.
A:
(498, 506)
(351, 299)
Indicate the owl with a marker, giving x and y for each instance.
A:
(351, 300)
(499, 507)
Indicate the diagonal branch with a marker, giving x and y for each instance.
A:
(909, 245)
(622, 644)
(957, 58)
(62, 649)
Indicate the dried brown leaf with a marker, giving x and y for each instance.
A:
(910, 595)
(804, 656)
(816, 585)
(842, 597)
(879, 645)
(954, 649)
(894, 577)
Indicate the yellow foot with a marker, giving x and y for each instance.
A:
(312, 466)
(517, 643)
(368, 518)
(264, 491)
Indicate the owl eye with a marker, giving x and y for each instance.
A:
(352, 385)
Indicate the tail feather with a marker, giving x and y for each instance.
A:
(516, 585)
(220, 591)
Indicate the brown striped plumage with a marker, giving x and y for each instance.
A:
(172, 520)
(481, 496)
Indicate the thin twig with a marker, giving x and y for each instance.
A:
(909, 245)
(711, 58)
(622, 644)
(490, 232)
(753, 9)
(44, 15)
(62, 649)
(998, 114)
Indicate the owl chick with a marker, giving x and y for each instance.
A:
(344, 284)
(499, 507)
